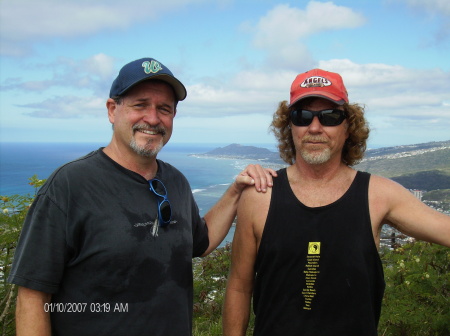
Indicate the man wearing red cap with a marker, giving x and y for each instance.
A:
(307, 251)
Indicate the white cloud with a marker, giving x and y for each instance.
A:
(399, 101)
(25, 21)
(67, 107)
(386, 87)
(248, 92)
(433, 11)
(253, 128)
(287, 25)
(100, 65)
(282, 31)
(441, 7)
(267, 79)
(94, 73)
(212, 102)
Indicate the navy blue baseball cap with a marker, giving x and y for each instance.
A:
(145, 69)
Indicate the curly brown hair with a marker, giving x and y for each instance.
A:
(354, 147)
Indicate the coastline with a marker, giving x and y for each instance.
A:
(264, 162)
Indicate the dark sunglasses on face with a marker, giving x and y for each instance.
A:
(332, 117)
(164, 208)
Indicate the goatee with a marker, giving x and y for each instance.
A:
(147, 150)
(316, 158)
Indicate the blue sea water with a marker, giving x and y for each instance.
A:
(208, 177)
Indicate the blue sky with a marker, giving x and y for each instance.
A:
(236, 58)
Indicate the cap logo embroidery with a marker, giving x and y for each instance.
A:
(151, 67)
(315, 81)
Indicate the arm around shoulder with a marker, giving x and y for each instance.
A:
(390, 203)
(32, 317)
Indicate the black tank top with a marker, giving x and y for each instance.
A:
(318, 272)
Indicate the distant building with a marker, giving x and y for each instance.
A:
(417, 193)
(392, 238)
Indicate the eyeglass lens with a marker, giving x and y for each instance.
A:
(331, 117)
(166, 211)
(164, 208)
(158, 187)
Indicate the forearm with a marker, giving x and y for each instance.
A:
(236, 312)
(241, 279)
(31, 317)
(220, 217)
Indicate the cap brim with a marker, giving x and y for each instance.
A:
(178, 87)
(331, 97)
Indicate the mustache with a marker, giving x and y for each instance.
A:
(145, 127)
(314, 138)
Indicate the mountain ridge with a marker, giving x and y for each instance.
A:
(424, 166)
(238, 151)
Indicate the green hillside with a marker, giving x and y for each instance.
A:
(442, 195)
(393, 166)
(425, 180)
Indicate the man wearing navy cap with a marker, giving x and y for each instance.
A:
(108, 243)
(306, 250)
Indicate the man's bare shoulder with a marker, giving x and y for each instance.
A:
(254, 202)
(385, 196)
(251, 193)
(252, 213)
(384, 186)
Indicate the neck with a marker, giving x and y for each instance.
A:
(127, 158)
(324, 172)
(319, 185)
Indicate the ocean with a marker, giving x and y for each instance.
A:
(208, 177)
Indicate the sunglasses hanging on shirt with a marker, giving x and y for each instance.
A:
(164, 208)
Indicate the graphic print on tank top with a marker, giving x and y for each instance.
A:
(311, 272)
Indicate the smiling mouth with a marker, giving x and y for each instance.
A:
(149, 131)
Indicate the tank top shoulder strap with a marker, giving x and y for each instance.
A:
(361, 183)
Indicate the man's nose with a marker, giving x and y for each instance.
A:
(315, 125)
(151, 116)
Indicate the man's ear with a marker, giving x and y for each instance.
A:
(111, 106)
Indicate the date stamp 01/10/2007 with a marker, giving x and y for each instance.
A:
(83, 307)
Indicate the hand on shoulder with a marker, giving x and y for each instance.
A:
(261, 178)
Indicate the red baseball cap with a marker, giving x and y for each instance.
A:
(319, 83)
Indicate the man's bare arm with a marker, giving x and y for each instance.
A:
(392, 204)
(31, 316)
(252, 211)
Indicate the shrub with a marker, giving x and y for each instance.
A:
(13, 210)
(417, 297)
